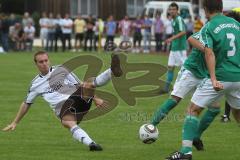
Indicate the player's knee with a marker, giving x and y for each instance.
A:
(68, 121)
(177, 99)
(68, 124)
(194, 110)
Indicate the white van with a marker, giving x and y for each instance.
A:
(152, 8)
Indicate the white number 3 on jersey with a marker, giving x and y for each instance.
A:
(231, 37)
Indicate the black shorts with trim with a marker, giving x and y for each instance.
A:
(76, 105)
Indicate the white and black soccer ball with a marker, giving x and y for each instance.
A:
(148, 133)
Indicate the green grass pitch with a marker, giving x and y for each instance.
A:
(40, 136)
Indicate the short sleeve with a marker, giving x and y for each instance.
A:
(205, 36)
(196, 35)
(73, 79)
(31, 96)
(181, 25)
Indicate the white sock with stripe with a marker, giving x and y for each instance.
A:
(80, 135)
(103, 78)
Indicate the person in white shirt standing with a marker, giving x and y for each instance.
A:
(29, 33)
(125, 28)
(51, 32)
(70, 106)
(43, 22)
(67, 25)
(168, 31)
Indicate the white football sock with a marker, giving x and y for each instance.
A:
(103, 78)
(80, 135)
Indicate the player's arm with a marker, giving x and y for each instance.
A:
(23, 109)
(180, 34)
(99, 102)
(196, 44)
(210, 61)
(205, 38)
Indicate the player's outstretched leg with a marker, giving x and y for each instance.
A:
(162, 111)
(69, 121)
(74, 109)
(115, 69)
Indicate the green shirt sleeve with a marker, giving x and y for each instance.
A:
(181, 25)
(205, 36)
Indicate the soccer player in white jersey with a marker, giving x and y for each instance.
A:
(66, 107)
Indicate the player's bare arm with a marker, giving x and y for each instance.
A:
(180, 34)
(24, 107)
(100, 102)
(210, 61)
(196, 44)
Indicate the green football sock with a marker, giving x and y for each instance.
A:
(163, 111)
(206, 120)
(189, 131)
(170, 75)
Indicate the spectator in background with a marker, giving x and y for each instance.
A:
(14, 36)
(158, 28)
(43, 23)
(29, 32)
(168, 31)
(58, 31)
(12, 19)
(147, 25)
(67, 25)
(79, 28)
(198, 24)
(137, 35)
(189, 30)
(125, 28)
(4, 30)
(189, 27)
(27, 19)
(51, 32)
(110, 27)
(98, 30)
(89, 34)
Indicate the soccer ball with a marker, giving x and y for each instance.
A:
(148, 133)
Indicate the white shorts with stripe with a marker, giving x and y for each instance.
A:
(185, 83)
(177, 58)
(205, 95)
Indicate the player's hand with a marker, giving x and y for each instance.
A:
(168, 41)
(10, 127)
(217, 85)
(100, 102)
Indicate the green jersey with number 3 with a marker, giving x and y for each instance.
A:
(180, 43)
(196, 62)
(222, 35)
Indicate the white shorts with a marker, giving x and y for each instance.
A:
(205, 95)
(177, 58)
(185, 83)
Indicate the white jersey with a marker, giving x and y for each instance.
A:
(66, 22)
(40, 86)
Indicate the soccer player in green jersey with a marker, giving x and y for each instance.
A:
(189, 77)
(221, 38)
(178, 52)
